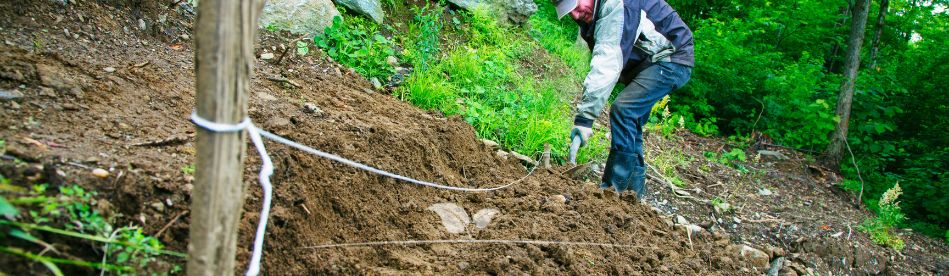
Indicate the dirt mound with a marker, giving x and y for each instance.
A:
(98, 102)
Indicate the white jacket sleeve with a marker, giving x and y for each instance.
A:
(607, 62)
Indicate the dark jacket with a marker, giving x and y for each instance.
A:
(625, 37)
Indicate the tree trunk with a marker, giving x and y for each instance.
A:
(881, 22)
(224, 35)
(855, 41)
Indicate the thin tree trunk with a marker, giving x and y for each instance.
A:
(881, 22)
(855, 41)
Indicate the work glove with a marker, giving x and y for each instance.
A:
(583, 132)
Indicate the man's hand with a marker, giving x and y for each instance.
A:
(583, 132)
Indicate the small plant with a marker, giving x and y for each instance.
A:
(730, 158)
(888, 217)
(71, 213)
(358, 44)
(189, 169)
(721, 205)
(423, 45)
(302, 48)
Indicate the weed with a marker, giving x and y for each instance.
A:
(730, 158)
(666, 162)
(358, 44)
(189, 169)
(888, 217)
(3, 146)
(423, 45)
(72, 213)
(721, 205)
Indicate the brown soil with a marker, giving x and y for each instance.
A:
(87, 117)
(805, 215)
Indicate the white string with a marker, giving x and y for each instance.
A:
(418, 242)
(266, 170)
(360, 166)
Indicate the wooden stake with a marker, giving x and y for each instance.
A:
(225, 33)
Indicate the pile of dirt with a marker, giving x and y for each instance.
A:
(105, 93)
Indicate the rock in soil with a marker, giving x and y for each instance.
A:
(10, 95)
(757, 257)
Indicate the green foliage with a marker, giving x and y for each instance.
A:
(423, 45)
(72, 213)
(730, 158)
(484, 82)
(888, 217)
(189, 169)
(559, 38)
(667, 162)
(358, 44)
(775, 67)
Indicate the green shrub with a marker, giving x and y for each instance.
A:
(358, 44)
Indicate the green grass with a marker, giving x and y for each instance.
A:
(514, 85)
(485, 82)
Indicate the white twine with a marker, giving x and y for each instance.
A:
(419, 242)
(266, 170)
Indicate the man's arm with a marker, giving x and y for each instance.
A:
(607, 62)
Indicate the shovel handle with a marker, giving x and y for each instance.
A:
(574, 147)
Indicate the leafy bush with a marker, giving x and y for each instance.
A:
(358, 44)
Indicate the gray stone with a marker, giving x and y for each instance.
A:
(772, 154)
(681, 220)
(523, 158)
(376, 83)
(266, 56)
(158, 206)
(489, 143)
(392, 60)
(312, 109)
(757, 257)
(9, 95)
(764, 192)
(299, 16)
(519, 11)
(267, 97)
(369, 8)
(466, 4)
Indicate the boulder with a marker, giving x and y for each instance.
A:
(369, 8)
(773, 155)
(519, 11)
(299, 16)
(466, 4)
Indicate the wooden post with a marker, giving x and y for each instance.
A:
(224, 57)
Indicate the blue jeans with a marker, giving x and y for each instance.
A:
(625, 167)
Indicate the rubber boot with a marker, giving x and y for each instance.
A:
(608, 171)
(623, 173)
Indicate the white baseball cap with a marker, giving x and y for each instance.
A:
(565, 6)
